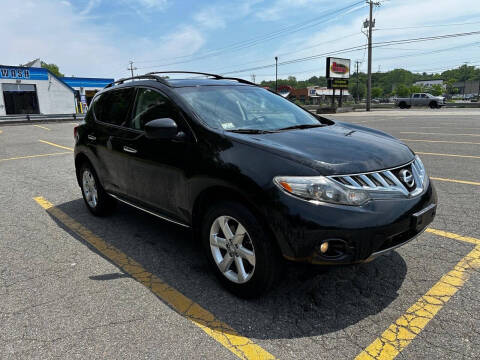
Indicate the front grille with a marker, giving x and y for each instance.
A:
(407, 180)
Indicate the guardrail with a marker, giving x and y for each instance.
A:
(27, 118)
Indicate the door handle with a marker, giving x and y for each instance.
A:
(91, 137)
(129, 150)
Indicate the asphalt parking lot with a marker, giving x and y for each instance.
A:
(130, 286)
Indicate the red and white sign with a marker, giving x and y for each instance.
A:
(338, 68)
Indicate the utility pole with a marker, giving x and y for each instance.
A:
(276, 73)
(131, 68)
(370, 24)
(357, 97)
(253, 78)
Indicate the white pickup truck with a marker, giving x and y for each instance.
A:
(420, 99)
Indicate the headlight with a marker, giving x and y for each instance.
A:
(422, 173)
(320, 188)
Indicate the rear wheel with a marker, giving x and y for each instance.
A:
(95, 197)
(240, 250)
(402, 105)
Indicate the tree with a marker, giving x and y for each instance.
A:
(402, 91)
(436, 90)
(417, 89)
(377, 92)
(450, 88)
(362, 90)
(53, 68)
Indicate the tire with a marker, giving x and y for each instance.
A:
(260, 271)
(408, 106)
(402, 105)
(433, 105)
(97, 200)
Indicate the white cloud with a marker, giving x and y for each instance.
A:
(152, 4)
(218, 16)
(282, 8)
(59, 34)
(90, 6)
(210, 18)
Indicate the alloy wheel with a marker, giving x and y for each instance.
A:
(89, 188)
(232, 249)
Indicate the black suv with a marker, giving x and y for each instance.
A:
(256, 177)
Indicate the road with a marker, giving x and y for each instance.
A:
(130, 286)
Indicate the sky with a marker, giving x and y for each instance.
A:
(98, 38)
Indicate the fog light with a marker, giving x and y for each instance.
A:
(324, 247)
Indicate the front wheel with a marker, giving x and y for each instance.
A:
(240, 250)
(97, 200)
(433, 105)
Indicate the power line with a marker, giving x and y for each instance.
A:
(356, 48)
(254, 41)
(427, 26)
(293, 52)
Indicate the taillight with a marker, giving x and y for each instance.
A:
(75, 133)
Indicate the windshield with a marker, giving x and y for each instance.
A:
(237, 108)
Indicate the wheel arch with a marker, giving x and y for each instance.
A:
(219, 193)
(80, 159)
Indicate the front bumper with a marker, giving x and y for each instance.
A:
(358, 234)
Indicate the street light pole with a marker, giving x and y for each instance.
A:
(276, 73)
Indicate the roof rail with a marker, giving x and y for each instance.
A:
(216, 76)
(146, 76)
(185, 72)
(153, 76)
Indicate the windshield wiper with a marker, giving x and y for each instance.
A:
(303, 126)
(250, 131)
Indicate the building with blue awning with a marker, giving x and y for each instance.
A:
(31, 89)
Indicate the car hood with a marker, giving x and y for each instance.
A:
(336, 149)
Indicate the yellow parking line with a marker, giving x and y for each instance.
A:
(450, 235)
(429, 133)
(401, 333)
(42, 127)
(239, 345)
(449, 155)
(53, 144)
(441, 141)
(456, 181)
(35, 156)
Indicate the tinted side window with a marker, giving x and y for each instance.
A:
(416, 95)
(150, 105)
(112, 107)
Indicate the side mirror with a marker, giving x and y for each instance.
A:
(161, 129)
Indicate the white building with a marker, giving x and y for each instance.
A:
(31, 89)
(430, 83)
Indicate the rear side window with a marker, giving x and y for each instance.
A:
(150, 105)
(112, 107)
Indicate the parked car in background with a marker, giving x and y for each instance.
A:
(420, 99)
(259, 179)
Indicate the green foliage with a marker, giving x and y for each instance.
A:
(377, 92)
(399, 81)
(417, 89)
(362, 89)
(53, 68)
(450, 88)
(402, 90)
(436, 90)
